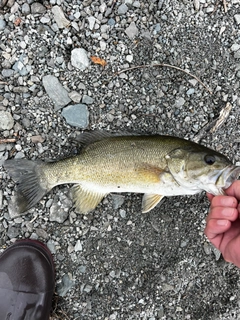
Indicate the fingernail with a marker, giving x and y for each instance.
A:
(222, 222)
(227, 212)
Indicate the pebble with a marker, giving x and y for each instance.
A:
(111, 22)
(122, 9)
(6, 73)
(66, 284)
(79, 59)
(56, 91)
(132, 30)
(1, 199)
(76, 115)
(75, 96)
(57, 213)
(78, 246)
(37, 8)
(6, 120)
(235, 47)
(237, 18)
(118, 200)
(91, 21)
(179, 102)
(2, 24)
(59, 17)
(87, 100)
(25, 9)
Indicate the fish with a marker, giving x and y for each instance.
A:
(155, 165)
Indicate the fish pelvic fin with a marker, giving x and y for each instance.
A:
(86, 200)
(150, 201)
(30, 182)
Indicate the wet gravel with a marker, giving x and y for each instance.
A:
(117, 263)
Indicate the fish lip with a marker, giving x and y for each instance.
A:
(228, 176)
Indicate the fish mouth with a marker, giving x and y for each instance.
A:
(228, 176)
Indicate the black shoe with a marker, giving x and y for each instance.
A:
(26, 281)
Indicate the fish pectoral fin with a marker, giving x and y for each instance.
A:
(85, 200)
(150, 201)
(149, 173)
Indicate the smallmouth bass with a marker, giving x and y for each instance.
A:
(155, 165)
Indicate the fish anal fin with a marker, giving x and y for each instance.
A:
(149, 173)
(150, 201)
(85, 199)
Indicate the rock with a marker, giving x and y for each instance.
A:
(56, 91)
(2, 3)
(179, 102)
(122, 9)
(237, 18)
(59, 17)
(75, 96)
(76, 115)
(37, 8)
(79, 59)
(235, 47)
(87, 100)
(25, 9)
(6, 73)
(66, 284)
(78, 246)
(118, 200)
(132, 30)
(57, 213)
(91, 21)
(2, 24)
(6, 120)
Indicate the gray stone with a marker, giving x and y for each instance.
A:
(25, 9)
(111, 22)
(78, 246)
(79, 59)
(76, 115)
(118, 200)
(132, 30)
(235, 47)
(75, 96)
(179, 102)
(6, 120)
(91, 21)
(56, 91)
(66, 284)
(6, 73)
(237, 18)
(37, 8)
(57, 213)
(13, 232)
(136, 4)
(59, 17)
(2, 24)
(122, 9)
(87, 100)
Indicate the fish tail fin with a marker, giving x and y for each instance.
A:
(31, 185)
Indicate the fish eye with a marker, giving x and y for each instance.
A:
(209, 159)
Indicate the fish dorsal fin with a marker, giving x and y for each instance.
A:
(86, 200)
(150, 201)
(87, 138)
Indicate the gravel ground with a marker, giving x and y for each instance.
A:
(117, 263)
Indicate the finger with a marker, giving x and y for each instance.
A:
(209, 196)
(215, 229)
(234, 190)
(223, 213)
(224, 201)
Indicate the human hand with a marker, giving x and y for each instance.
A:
(223, 223)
